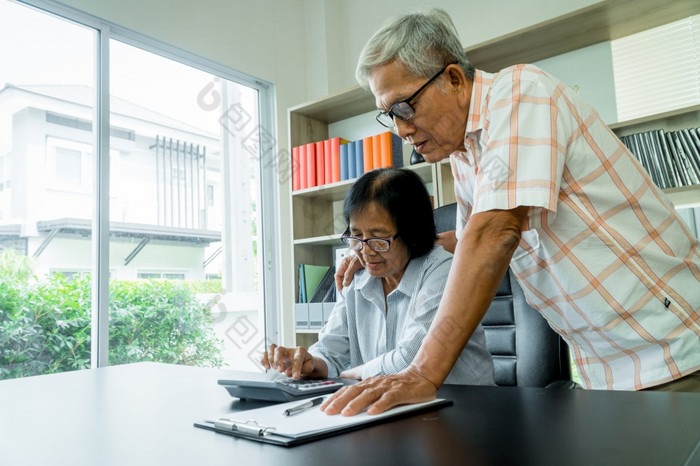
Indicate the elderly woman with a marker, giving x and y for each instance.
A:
(387, 310)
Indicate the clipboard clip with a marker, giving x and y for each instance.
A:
(249, 427)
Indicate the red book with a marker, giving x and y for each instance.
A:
(310, 165)
(303, 179)
(296, 176)
(377, 152)
(320, 164)
(367, 157)
(327, 160)
(335, 160)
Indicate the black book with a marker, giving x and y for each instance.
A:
(692, 151)
(682, 173)
(670, 162)
(684, 152)
(655, 160)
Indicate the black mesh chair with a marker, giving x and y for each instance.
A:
(526, 351)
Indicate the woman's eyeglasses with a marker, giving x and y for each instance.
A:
(375, 244)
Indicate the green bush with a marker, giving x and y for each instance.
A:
(45, 325)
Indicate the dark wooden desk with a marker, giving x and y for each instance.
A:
(142, 414)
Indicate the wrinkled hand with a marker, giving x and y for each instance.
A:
(293, 362)
(346, 270)
(381, 393)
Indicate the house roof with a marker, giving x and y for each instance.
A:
(85, 95)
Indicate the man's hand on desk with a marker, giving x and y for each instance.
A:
(381, 393)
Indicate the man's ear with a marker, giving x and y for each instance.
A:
(459, 84)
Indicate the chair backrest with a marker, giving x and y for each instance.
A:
(526, 351)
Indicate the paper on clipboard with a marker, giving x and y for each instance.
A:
(269, 425)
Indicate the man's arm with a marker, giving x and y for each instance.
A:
(481, 259)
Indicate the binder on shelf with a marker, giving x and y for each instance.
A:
(344, 162)
(303, 181)
(296, 176)
(377, 153)
(367, 155)
(391, 150)
(320, 164)
(268, 425)
(309, 278)
(352, 160)
(328, 161)
(336, 144)
(322, 289)
(310, 165)
(359, 158)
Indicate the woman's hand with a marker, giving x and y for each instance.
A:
(293, 362)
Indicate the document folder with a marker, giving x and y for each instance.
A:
(269, 425)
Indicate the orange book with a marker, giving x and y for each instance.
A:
(385, 143)
(335, 160)
(377, 152)
(310, 165)
(327, 162)
(320, 164)
(391, 150)
(296, 176)
(303, 181)
(367, 156)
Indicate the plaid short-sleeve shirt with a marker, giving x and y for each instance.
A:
(604, 256)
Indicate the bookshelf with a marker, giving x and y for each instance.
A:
(317, 212)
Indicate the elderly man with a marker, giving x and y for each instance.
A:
(544, 187)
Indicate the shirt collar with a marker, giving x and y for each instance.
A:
(480, 88)
(407, 284)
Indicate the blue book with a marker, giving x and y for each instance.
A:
(344, 161)
(359, 158)
(352, 167)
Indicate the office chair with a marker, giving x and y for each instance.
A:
(526, 351)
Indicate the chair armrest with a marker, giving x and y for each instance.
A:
(565, 384)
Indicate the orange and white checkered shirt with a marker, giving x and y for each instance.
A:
(604, 256)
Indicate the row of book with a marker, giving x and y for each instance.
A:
(336, 159)
(672, 158)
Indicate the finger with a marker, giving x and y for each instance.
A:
(270, 353)
(351, 400)
(264, 361)
(300, 355)
(352, 269)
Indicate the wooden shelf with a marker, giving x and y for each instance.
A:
(685, 196)
(606, 20)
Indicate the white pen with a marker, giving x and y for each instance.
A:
(303, 406)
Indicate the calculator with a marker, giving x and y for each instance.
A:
(278, 387)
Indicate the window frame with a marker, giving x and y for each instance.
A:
(268, 189)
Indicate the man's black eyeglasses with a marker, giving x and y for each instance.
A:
(404, 110)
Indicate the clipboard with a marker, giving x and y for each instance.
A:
(268, 425)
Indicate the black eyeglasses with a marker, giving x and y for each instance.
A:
(375, 244)
(404, 110)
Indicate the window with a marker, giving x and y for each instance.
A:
(91, 222)
(657, 70)
(162, 275)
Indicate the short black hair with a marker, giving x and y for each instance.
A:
(403, 195)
